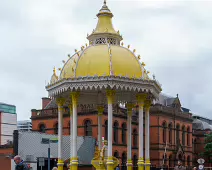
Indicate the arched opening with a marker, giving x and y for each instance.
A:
(135, 138)
(106, 129)
(135, 161)
(115, 132)
(88, 128)
(56, 128)
(170, 133)
(164, 132)
(123, 134)
(183, 135)
(69, 128)
(42, 128)
(124, 161)
(188, 136)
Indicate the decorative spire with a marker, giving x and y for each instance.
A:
(54, 71)
(105, 2)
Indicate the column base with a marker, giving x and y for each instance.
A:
(110, 163)
(129, 165)
(74, 164)
(60, 164)
(147, 164)
(141, 164)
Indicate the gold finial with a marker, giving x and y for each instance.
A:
(122, 43)
(134, 50)
(64, 61)
(69, 55)
(143, 64)
(54, 70)
(139, 57)
(78, 54)
(128, 46)
(148, 72)
(86, 44)
(59, 69)
(75, 50)
(118, 32)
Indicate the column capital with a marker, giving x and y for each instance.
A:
(141, 97)
(147, 104)
(75, 97)
(100, 110)
(110, 95)
(60, 101)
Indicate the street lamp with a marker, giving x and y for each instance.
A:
(48, 141)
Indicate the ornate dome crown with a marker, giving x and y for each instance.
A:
(105, 55)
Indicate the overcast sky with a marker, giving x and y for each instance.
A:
(174, 39)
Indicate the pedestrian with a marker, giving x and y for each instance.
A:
(55, 168)
(20, 165)
(117, 168)
(179, 166)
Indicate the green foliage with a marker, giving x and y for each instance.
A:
(208, 146)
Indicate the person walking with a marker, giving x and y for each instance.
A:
(20, 165)
(179, 166)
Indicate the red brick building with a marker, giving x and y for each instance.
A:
(170, 127)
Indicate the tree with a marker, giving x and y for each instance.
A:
(208, 147)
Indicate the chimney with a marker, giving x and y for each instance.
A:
(45, 102)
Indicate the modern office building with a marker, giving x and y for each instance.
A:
(8, 123)
(24, 125)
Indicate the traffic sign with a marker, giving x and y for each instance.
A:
(41, 161)
(201, 161)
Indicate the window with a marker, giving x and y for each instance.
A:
(135, 137)
(188, 161)
(123, 134)
(42, 128)
(115, 132)
(170, 161)
(164, 132)
(170, 133)
(124, 161)
(56, 128)
(135, 161)
(183, 135)
(116, 154)
(188, 136)
(88, 128)
(106, 129)
(69, 129)
(178, 134)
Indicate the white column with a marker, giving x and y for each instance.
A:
(71, 127)
(110, 95)
(141, 130)
(100, 112)
(129, 132)
(75, 96)
(60, 103)
(147, 135)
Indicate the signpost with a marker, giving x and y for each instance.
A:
(48, 141)
(201, 163)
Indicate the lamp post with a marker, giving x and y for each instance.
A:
(48, 141)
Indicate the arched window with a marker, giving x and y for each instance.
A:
(123, 133)
(178, 134)
(106, 129)
(183, 135)
(188, 161)
(170, 133)
(195, 145)
(88, 128)
(188, 136)
(116, 154)
(164, 132)
(42, 128)
(56, 128)
(124, 161)
(165, 159)
(69, 129)
(135, 138)
(170, 161)
(115, 132)
(135, 161)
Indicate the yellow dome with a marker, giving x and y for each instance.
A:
(103, 60)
